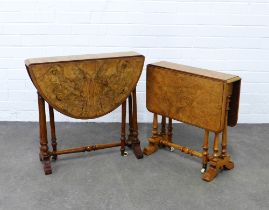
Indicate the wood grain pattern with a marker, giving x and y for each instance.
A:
(234, 103)
(187, 97)
(199, 97)
(86, 89)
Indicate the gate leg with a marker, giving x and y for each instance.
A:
(44, 150)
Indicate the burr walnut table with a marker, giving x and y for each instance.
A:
(199, 97)
(86, 87)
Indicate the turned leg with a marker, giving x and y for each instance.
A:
(44, 150)
(163, 129)
(205, 151)
(135, 142)
(53, 133)
(216, 147)
(155, 126)
(212, 172)
(224, 143)
(169, 130)
(224, 134)
(130, 136)
(224, 154)
(229, 164)
(151, 148)
(123, 123)
(170, 133)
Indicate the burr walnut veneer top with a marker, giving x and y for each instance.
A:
(192, 95)
(86, 86)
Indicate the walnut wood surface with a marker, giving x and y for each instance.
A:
(234, 104)
(45, 153)
(191, 98)
(197, 71)
(86, 86)
(199, 97)
(69, 58)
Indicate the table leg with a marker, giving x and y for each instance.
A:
(151, 148)
(205, 151)
(130, 136)
(44, 150)
(214, 168)
(135, 141)
(53, 133)
(163, 129)
(123, 124)
(229, 164)
(170, 133)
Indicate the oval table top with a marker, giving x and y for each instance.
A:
(86, 86)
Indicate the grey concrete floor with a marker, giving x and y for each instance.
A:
(105, 180)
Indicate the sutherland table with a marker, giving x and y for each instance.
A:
(198, 97)
(86, 87)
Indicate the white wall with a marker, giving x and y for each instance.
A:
(227, 35)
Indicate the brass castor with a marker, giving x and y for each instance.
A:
(124, 153)
(203, 170)
(172, 149)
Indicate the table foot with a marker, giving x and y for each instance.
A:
(229, 165)
(210, 174)
(216, 166)
(123, 153)
(47, 167)
(137, 151)
(150, 149)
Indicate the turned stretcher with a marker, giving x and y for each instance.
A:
(86, 87)
(199, 97)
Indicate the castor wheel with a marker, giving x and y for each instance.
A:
(203, 168)
(124, 153)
